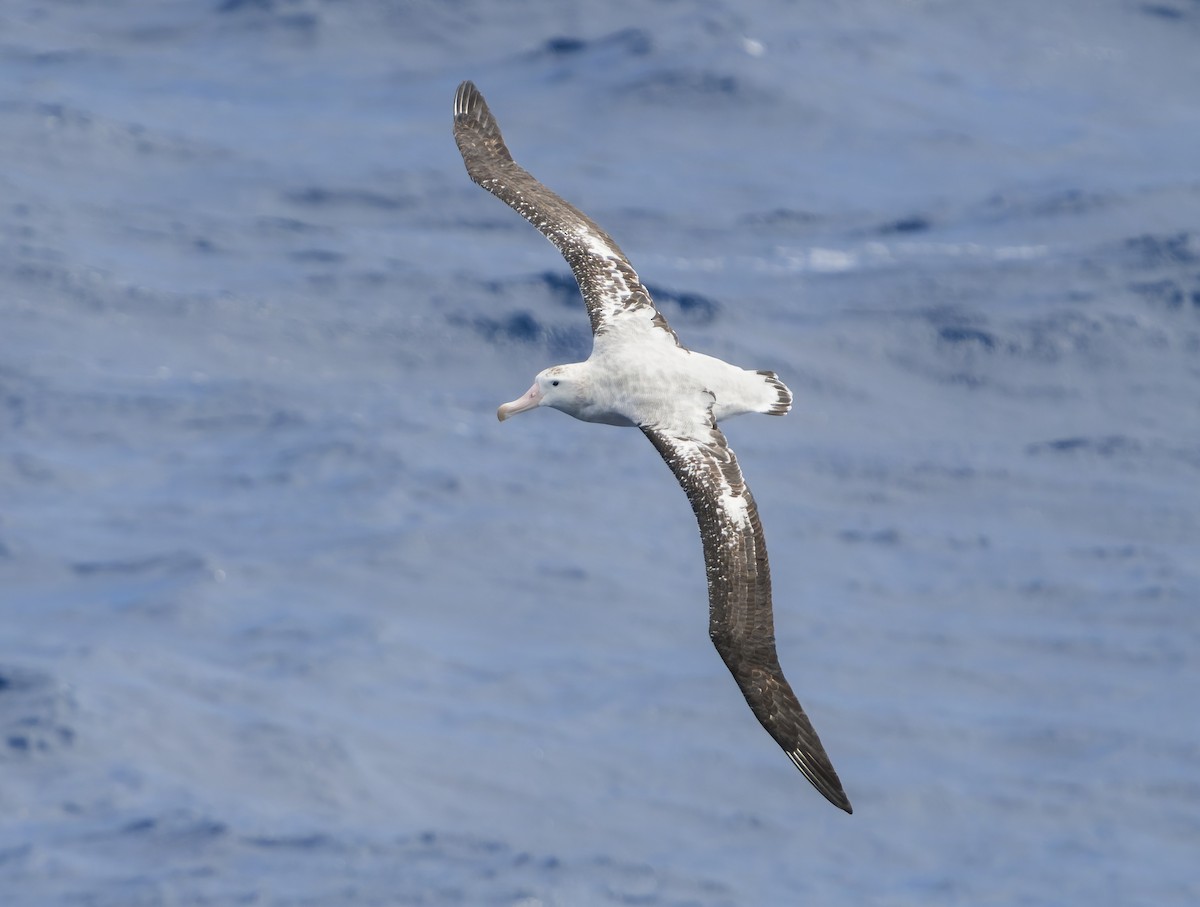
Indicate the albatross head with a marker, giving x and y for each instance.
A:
(560, 387)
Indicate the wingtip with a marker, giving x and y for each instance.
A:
(841, 801)
(476, 130)
(466, 98)
(823, 778)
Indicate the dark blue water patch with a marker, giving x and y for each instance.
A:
(1163, 11)
(35, 714)
(523, 327)
(15, 404)
(885, 537)
(302, 842)
(1122, 553)
(435, 485)
(568, 572)
(15, 855)
(47, 273)
(518, 327)
(628, 42)
(1105, 446)
(322, 197)
(780, 219)
(1058, 203)
(234, 6)
(960, 330)
(206, 246)
(562, 287)
(9, 682)
(244, 421)
(59, 114)
(174, 563)
(32, 57)
(564, 46)
(960, 335)
(1068, 201)
(39, 272)
(916, 223)
(574, 339)
(1155, 250)
(287, 226)
(33, 736)
(312, 461)
(456, 868)
(176, 828)
(96, 131)
(282, 13)
(690, 308)
(317, 256)
(1172, 294)
(965, 379)
(693, 307)
(679, 87)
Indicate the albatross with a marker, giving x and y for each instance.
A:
(639, 374)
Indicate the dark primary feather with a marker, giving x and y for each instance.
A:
(607, 280)
(741, 623)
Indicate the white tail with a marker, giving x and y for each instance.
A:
(777, 399)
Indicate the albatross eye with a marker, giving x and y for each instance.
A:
(554, 384)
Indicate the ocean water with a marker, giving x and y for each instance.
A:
(288, 618)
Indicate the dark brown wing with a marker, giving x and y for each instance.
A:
(739, 596)
(608, 282)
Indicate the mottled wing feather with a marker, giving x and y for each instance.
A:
(608, 282)
(739, 595)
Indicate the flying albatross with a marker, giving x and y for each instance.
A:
(639, 374)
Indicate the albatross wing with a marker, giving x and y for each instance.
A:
(741, 624)
(608, 282)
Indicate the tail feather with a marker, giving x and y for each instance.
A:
(781, 403)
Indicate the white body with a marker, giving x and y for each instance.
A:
(639, 375)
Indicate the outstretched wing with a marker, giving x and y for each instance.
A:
(608, 282)
(739, 595)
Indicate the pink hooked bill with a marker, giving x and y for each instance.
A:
(528, 400)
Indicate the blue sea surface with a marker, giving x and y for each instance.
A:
(288, 618)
